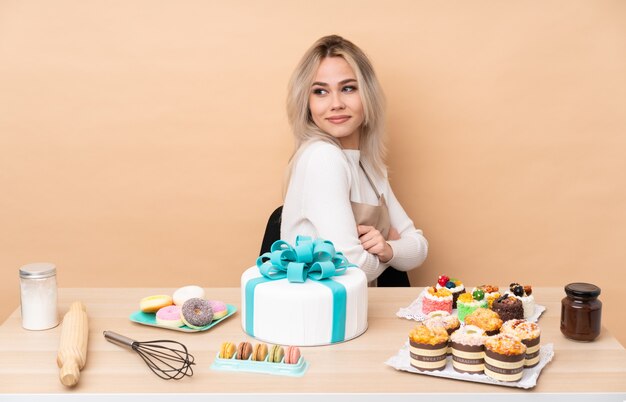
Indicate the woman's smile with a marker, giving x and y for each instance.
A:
(338, 119)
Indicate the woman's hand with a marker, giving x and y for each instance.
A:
(373, 242)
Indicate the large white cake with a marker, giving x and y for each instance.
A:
(304, 314)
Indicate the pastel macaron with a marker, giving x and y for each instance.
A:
(260, 352)
(227, 350)
(244, 350)
(152, 304)
(276, 354)
(292, 355)
(181, 295)
(169, 317)
(220, 309)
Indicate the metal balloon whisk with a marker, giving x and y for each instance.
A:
(169, 360)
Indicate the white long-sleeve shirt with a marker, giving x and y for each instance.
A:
(323, 182)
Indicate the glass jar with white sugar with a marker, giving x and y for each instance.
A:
(38, 296)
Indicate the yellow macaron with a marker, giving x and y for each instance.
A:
(227, 350)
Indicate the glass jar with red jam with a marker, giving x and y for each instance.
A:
(581, 312)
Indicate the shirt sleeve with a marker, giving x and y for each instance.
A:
(411, 249)
(328, 208)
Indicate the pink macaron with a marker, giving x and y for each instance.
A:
(169, 317)
(292, 356)
(219, 309)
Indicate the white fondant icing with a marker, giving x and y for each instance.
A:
(455, 289)
(301, 313)
(528, 303)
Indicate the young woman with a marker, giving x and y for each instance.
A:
(338, 188)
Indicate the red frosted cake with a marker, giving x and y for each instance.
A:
(434, 299)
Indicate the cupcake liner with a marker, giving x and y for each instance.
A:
(401, 361)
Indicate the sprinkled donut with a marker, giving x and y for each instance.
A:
(196, 313)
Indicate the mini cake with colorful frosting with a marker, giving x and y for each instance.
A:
(428, 347)
(504, 357)
(488, 320)
(434, 299)
(529, 333)
(508, 307)
(525, 295)
(455, 286)
(492, 292)
(468, 349)
(469, 302)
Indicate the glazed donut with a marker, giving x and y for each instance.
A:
(152, 304)
(181, 295)
(196, 313)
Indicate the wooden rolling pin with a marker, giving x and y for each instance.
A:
(72, 354)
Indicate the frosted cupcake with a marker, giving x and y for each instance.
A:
(529, 333)
(434, 299)
(467, 303)
(504, 357)
(455, 286)
(525, 295)
(492, 292)
(468, 350)
(428, 347)
(508, 307)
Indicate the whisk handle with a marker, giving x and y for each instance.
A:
(118, 339)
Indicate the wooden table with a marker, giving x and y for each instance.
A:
(28, 357)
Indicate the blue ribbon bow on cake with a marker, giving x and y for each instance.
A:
(313, 259)
(316, 260)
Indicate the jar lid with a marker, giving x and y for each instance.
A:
(581, 289)
(38, 270)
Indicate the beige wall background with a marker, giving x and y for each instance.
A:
(143, 143)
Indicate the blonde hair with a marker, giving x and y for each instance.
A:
(305, 130)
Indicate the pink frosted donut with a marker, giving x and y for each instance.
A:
(169, 317)
(219, 309)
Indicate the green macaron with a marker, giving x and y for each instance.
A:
(277, 353)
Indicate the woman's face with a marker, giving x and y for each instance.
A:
(335, 103)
